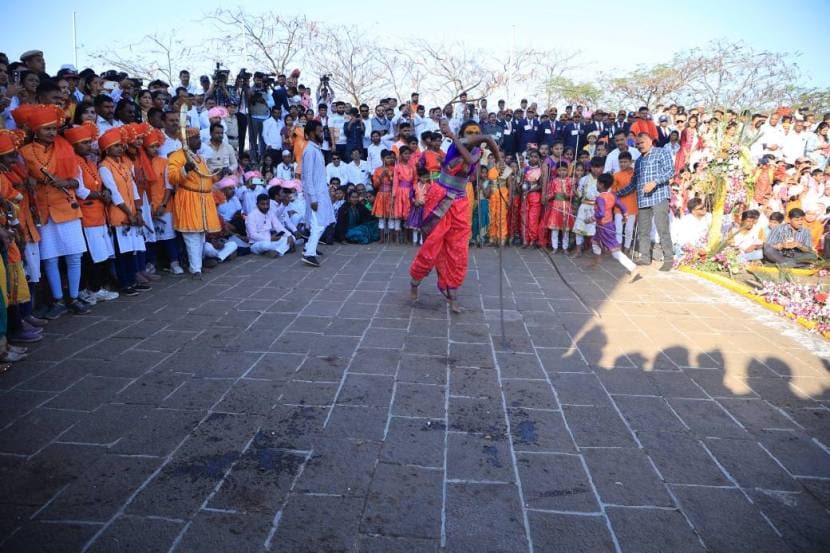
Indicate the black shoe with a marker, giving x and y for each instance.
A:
(210, 263)
(318, 252)
(311, 260)
(78, 307)
(129, 292)
(667, 266)
(142, 288)
(643, 262)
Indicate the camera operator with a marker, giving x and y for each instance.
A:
(219, 89)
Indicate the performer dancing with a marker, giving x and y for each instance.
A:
(446, 224)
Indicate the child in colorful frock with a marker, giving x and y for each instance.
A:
(498, 195)
(532, 200)
(605, 236)
(382, 207)
(586, 190)
(559, 217)
(419, 194)
(402, 189)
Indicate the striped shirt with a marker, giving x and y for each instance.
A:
(784, 232)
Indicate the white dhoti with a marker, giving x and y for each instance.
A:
(60, 239)
(130, 239)
(99, 243)
(31, 261)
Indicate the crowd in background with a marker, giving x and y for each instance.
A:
(107, 181)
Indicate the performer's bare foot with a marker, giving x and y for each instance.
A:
(413, 289)
(595, 262)
(635, 276)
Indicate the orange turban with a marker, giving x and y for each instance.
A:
(36, 116)
(110, 138)
(86, 131)
(10, 141)
(154, 137)
(192, 131)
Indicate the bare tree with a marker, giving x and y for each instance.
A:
(733, 74)
(648, 85)
(455, 68)
(551, 65)
(349, 56)
(268, 40)
(155, 55)
(400, 71)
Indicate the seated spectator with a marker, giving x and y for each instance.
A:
(790, 243)
(692, 229)
(254, 186)
(265, 232)
(285, 170)
(749, 237)
(355, 222)
(230, 212)
(357, 172)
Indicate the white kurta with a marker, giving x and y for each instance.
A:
(129, 238)
(315, 186)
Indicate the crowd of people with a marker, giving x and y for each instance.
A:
(108, 182)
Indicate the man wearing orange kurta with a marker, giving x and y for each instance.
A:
(194, 209)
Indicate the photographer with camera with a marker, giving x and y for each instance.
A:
(219, 89)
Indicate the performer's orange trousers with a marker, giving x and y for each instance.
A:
(446, 247)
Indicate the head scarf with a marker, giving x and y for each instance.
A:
(86, 131)
(226, 182)
(110, 138)
(217, 111)
(275, 182)
(154, 137)
(191, 132)
(37, 116)
(294, 184)
(252, 174)
(10, 141)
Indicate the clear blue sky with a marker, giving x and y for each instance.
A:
(618, 39)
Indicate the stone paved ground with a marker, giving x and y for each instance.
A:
(276, 407)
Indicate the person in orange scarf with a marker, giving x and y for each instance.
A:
(124, 210)
(133, 135)
(51, 162)
(15, 295)
(160, 203)
(194, 210)
(94, 200)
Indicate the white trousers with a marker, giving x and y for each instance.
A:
(194, 242)
(229, 247)
(618, 255)
(31, 262)
(316, 231)
(627, 226)
(280, 246)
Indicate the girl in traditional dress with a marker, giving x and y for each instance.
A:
(532, 200)
(419, 194)
(559, 217)
(382, 208)
(402, 188)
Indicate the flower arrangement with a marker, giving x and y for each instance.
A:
(719, 259)
(804, 301)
